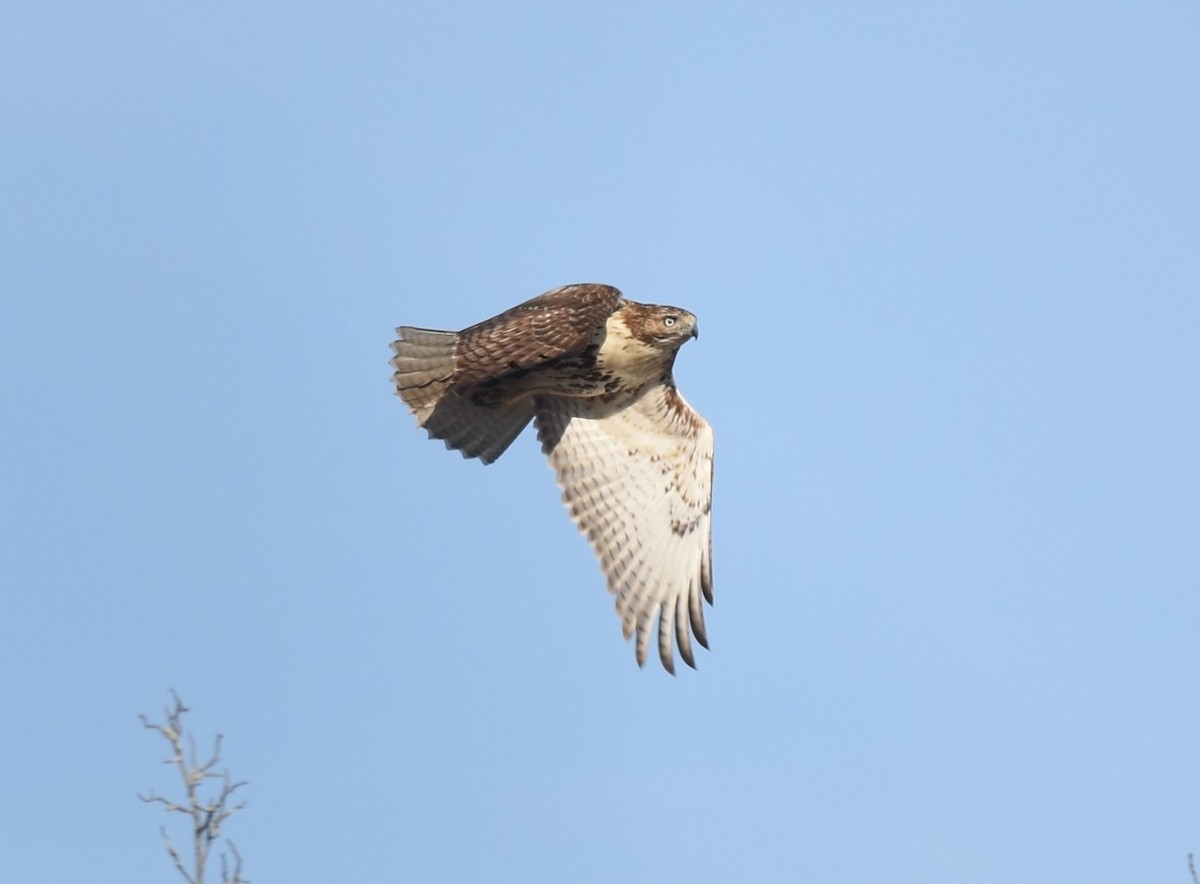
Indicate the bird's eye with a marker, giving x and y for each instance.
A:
(669, 321)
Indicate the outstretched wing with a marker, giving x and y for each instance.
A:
(638, 482)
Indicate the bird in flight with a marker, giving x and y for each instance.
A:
(593, 371)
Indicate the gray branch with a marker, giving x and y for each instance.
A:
(207, 816)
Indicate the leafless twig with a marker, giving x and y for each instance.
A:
(207, 816)
(237, 866)
(1192, 868)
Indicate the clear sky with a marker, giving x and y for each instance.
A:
(946, 262)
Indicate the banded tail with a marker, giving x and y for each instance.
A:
(425, 364)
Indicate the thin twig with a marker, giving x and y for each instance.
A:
(237, 867)
(175, 857)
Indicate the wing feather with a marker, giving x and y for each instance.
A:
(558, 323)
(432, 367)
(637, 481)
(477, 431)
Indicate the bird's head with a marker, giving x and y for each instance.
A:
(666, 328)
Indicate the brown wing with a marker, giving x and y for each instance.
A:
(558, 323)
(432, 366)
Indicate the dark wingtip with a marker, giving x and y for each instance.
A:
(698, 628)
(688, 656)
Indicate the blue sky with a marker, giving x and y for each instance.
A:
(945, 261)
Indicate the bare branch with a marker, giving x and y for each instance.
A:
(1192, 868)
(207, 816)
(236, 877)
(174, 854)
(168, 805)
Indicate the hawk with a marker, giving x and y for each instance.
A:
(593, 371)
